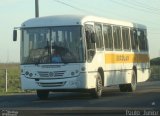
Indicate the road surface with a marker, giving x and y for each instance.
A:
(146, 98)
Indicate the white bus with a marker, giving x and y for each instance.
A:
(76, 53)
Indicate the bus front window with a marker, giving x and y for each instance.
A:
(34, 45)
(39, 44)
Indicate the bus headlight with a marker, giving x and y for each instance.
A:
(30, 74)
(83, 69)
(26, 73)
(72, 73)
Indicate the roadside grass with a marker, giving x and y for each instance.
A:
(13, 75)
(13, 81)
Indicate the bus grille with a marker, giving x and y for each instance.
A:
(55, 74)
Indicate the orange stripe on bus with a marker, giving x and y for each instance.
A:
(126, 58)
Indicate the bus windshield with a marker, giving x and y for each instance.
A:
(52, 45)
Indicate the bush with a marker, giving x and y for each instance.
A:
(155, 61)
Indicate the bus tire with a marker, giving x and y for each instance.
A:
(123, 87)
(131, 86)
(97, 91)
(42, 94)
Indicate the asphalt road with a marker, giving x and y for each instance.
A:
(147, 97)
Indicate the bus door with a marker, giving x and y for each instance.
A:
(90, 41)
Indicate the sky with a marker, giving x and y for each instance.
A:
(15, 12)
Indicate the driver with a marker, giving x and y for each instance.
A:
(56, 58)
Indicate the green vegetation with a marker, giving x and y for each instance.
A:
(155, 68)
(155, 61)
(13, 75)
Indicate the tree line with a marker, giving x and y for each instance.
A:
(155, 61)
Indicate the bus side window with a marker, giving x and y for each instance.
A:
(146, 41)
(133, 44)
(117, 38)
(142, 37)
(108, 40)
(142, 40)
(125, 38)
(90, 36)
(134, 39)
(99, 37)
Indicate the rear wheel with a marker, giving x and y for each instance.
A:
(97, 91)
(42, 94)
(131, 86)
(123, 87)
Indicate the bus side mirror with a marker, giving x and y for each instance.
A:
(93, 40)
(14, 35)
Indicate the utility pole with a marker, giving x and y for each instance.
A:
(36, 8)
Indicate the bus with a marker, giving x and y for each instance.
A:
(71, 53)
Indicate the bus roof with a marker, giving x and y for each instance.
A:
(64, 20)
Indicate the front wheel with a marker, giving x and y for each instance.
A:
(42, 94)
(97, 91)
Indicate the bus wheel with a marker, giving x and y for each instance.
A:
(129, 87)
(97, 92)
(133, 85)
(123, 87)
(42, 94)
